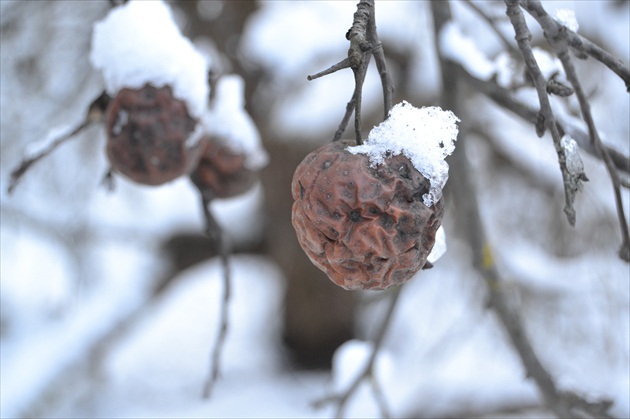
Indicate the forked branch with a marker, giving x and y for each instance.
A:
(364, 43)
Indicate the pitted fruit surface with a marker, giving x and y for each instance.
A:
(365, 227)
(148, 135)
(222, 172)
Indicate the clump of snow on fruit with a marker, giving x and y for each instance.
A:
(228, 121)
(139, 43)
(424, 135)
(439, 247)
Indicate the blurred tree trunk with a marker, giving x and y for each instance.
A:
(318, 316)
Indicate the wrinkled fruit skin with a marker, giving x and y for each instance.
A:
(147, 133)
(365, 227)
(221, 172)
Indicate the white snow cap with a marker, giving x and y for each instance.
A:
(139, 43)
(424, 135)
(566, 17)
(228, 120)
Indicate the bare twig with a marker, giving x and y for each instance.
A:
(581, 44)
(215, 233)
(344, 120)
(566, 124)
(381, 64)
(341, 399)
(364, 43)
(359, 78)
(556, 35)
(345, 63)
(562, 404)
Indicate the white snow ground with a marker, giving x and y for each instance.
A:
(77, 260)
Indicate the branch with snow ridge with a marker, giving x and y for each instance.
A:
(557, 36)
(546, 118)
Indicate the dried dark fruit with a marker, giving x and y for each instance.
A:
(365, 227)
(221, 171)
(151, 135)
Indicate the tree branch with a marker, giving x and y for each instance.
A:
(557, 37)
(563, 405)
(215, 233)
(546, 118)
(566, 123)
(364, 43)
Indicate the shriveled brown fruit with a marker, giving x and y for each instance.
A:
(365, 227)
(221, 172)
(149, 135)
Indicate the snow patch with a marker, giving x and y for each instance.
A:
(228, 120)
(439, 247)
(458, 47)
(139, 43)
(566, 17)
(424, 135)
(548, 63)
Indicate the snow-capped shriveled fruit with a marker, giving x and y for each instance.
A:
(151, 137)
(364, 225)
(139, 43)
(222, 172)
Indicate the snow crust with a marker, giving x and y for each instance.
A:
(424, 135)
(139, 43)
(567, 18)
(228, 120)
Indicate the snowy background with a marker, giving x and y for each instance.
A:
(83, 332)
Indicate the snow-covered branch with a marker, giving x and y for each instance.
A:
(562, 404)
(546, 118)
(557, 36)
